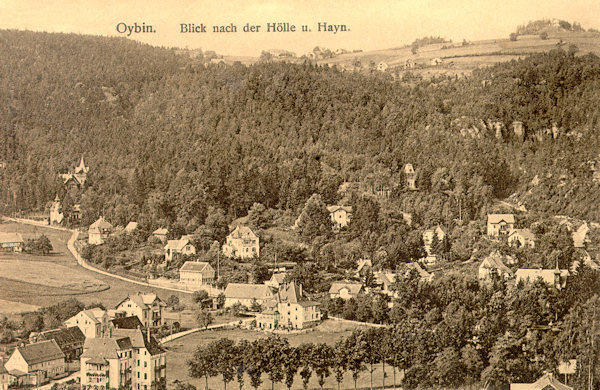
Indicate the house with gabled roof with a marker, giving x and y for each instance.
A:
(177, 248)
(242, 243)
(340, 216)
(99, 231)
(276, 280)
(580, 236)
(546, 382)
(148, 307)
(410, 177)
(91, 322)
(500, 224)
(6, 379)
(194, 274)
(70, 340)
(77, 178)
(521, 238)
(246, 294)
(345, 290)
(107, 363)
(129, 322)
(149, 359)
(11, 242)
(493, 265)
(289, 309)
(556, 278)
(424, 276)
(131, 227)
(161, 234)
(44, 360)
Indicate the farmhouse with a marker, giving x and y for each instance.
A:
(177, 248)
(546, 382)
(99, 231)
(276, 280)
(556, 278)
(242, 243)
(345, 290)
(148, 307)
(91, 322)
(149, 359)
(246, 294)
(161, 234)
(196, 274)
(106, 363)
(35, 363)
(69, 340)
(11, 242)
(340, 215)
(493, 265)
(521, 238)
(499, 224)
(428, 238)
(382, 66)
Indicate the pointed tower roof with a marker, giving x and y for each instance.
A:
(81, 168)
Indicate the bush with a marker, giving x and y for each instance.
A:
(513, 37)
(544, 36)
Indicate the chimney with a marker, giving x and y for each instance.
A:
(148, 334)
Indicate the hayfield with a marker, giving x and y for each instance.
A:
(8, 307)
(329, 332)
(43, 286)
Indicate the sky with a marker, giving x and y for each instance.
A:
(371, 25)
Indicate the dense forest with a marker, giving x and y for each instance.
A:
(167, 137)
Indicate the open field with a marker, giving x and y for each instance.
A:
(43, 293)
(8, 307)
(180, 350)
(49, 274)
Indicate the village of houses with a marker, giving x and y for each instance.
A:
(116, 347)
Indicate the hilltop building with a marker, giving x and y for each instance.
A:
(521, 238)
(410, 176)
(178, 248)
(500, 224)
(77, 178)
(556, 278)
(340, 215)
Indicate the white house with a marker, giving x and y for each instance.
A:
(382, 66)
(580, 236)
(340, 215)
(521, 238)
(91, 322)
(428, 237)
(99, 231)
(499, 224)
(345, 290)
(245, 294)
(242, 243)
(148, 307)
(106, 363)
(289, 309)
(149, 359)
(196, 274)
(44, 359)
(491, 265)
(161, 234)
(56, 214)
(177, 248)
(556, 278)
(276, 280)
(410, 176)
(11, 242)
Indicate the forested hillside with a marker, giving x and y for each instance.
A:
(167, 137)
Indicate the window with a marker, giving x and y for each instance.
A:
(145, 364)
(145, 377)
(138, 362)
(138, 375)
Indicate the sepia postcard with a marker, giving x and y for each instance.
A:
(278, 194)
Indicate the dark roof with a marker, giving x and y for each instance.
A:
(139, 340)
(41, 352)
(131, 322)
(64, 336)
